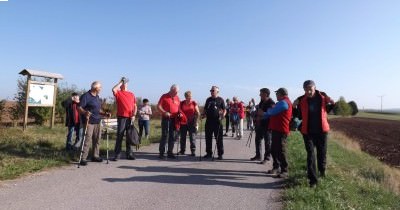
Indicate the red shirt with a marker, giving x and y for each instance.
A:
(170, 104)
(125, 103)
(189, 109)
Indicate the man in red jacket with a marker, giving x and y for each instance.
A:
(312, 108)
(279, 116)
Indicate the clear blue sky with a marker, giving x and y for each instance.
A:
(349, 48)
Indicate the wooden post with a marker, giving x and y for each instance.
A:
(53, 114)
(26, 103)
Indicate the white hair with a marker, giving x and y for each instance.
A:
(95, 84)
(174, 87)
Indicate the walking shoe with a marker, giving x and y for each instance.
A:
(97, 159)
(262, 162)
(114, 159)
(162, 157)
(83, 163)
(233, 135)
(220, 157)
(131, 157)
(255, 158)
(313, 184)
(273, 171)
(207, 156)
(283, 175)
(193, 153)
(322, 174)
(171, 156)
(225, 134)
(181, 152)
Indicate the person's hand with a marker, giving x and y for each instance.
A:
(260, 114)
(133, 118)
(167, 114)
(87, 114)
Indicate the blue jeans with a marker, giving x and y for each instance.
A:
(78, 133)
(144, 124)
(167, 131)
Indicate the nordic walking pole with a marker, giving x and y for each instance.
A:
(107, 136)
(201, 126)
(216, 140)
(83, 141)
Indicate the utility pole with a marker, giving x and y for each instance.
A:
(381, 101)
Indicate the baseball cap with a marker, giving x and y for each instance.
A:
(282, 91)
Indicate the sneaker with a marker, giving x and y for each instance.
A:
(83, 163)
(181, 152)
(131, 157)
(283, 175)
(193, 153)
(162, 157)
(313, 185)
(114, 159)
(207, 156)
(255, 158)
(97, 159)
(171, 156)
(220, 157)
(273, 171)
(225, 134)
(263, 162)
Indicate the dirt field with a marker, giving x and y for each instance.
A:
(380, 138)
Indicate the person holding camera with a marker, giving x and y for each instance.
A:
(126, 111)
(91, 113)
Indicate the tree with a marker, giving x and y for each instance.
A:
(354, 108)
(2, 108)
(342, 108)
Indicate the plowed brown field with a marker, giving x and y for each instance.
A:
(378, 137)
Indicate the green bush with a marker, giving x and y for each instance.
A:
(354, 108)
(342, 108)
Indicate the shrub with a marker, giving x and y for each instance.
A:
(342, 108)
(354, 108)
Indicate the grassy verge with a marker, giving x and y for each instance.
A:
(375, 115)
(354, 179)
(39, 148)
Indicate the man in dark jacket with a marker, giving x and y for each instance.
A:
(72, 121)
(214, 111)
(313, 107)
(261, 130)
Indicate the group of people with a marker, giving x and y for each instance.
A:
(270, 120)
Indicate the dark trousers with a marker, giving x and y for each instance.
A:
(167, 131)
(318, 141)
(279, 149)
(263, 133)
(227, 121)
(185, 129)
(122, 128)
(144, 124)
(214, 128)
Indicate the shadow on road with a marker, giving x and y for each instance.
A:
(196, 176)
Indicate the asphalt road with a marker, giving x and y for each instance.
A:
(150, 183)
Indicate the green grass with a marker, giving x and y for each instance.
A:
(354, 180)
(39, 148)
(377, 115)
